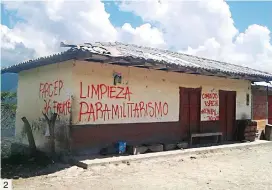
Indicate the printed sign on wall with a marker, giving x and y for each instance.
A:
(209, 105)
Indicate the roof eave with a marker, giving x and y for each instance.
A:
(129, 61)
(56, 58)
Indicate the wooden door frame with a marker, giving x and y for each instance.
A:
(234, 109)
(199, 89)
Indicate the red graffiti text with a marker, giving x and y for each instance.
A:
(50, 89)
(59, 107)
(102, 91)
(211, 103)
(94, 111)
(211, 106)
(210, 96)
(209, 111)
(212, 118)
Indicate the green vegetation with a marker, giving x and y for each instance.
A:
(8, 100)
(8, 109)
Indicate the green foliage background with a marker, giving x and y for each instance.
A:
(8, 109)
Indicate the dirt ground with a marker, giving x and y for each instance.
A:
(242, 168)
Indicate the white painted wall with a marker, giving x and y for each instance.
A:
(144, 84)
(150, 86)
(146, 91)
(37, 90)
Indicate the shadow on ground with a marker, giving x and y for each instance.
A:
(85, 156)
(20, 166)
(15, 166)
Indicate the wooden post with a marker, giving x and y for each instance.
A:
(30, 137)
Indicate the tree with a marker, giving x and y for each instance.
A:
(8, 109)
(51, 125)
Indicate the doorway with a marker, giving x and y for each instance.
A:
(227, 113)
(190, 105)
(270, 110)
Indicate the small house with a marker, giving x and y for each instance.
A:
(109, 92)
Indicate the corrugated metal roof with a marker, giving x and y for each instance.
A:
(120, 51)
(181, 59)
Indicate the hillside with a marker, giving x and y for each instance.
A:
(9, 82)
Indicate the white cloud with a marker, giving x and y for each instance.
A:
(18, 52)
(47, 23)
(203, 28)
(210, 48)
(187, 23)
(8, 39)
(206, 28)
(143, 35)
(12, 48)
(251, 48)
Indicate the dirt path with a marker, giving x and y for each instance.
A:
(243, 168)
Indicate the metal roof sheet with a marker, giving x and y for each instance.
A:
(182, 59)
(145, 54)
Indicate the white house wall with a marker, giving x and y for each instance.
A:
(156, 94)
(147, 86)
(47, 90)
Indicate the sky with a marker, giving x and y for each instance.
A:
(232, 31)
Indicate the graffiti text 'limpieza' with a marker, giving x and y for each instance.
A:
(94, 110)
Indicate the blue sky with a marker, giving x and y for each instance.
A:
(244, 14)
(214, 30)
(7, 17)
(251, 12)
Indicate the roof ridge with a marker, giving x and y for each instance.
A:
(179, 53)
